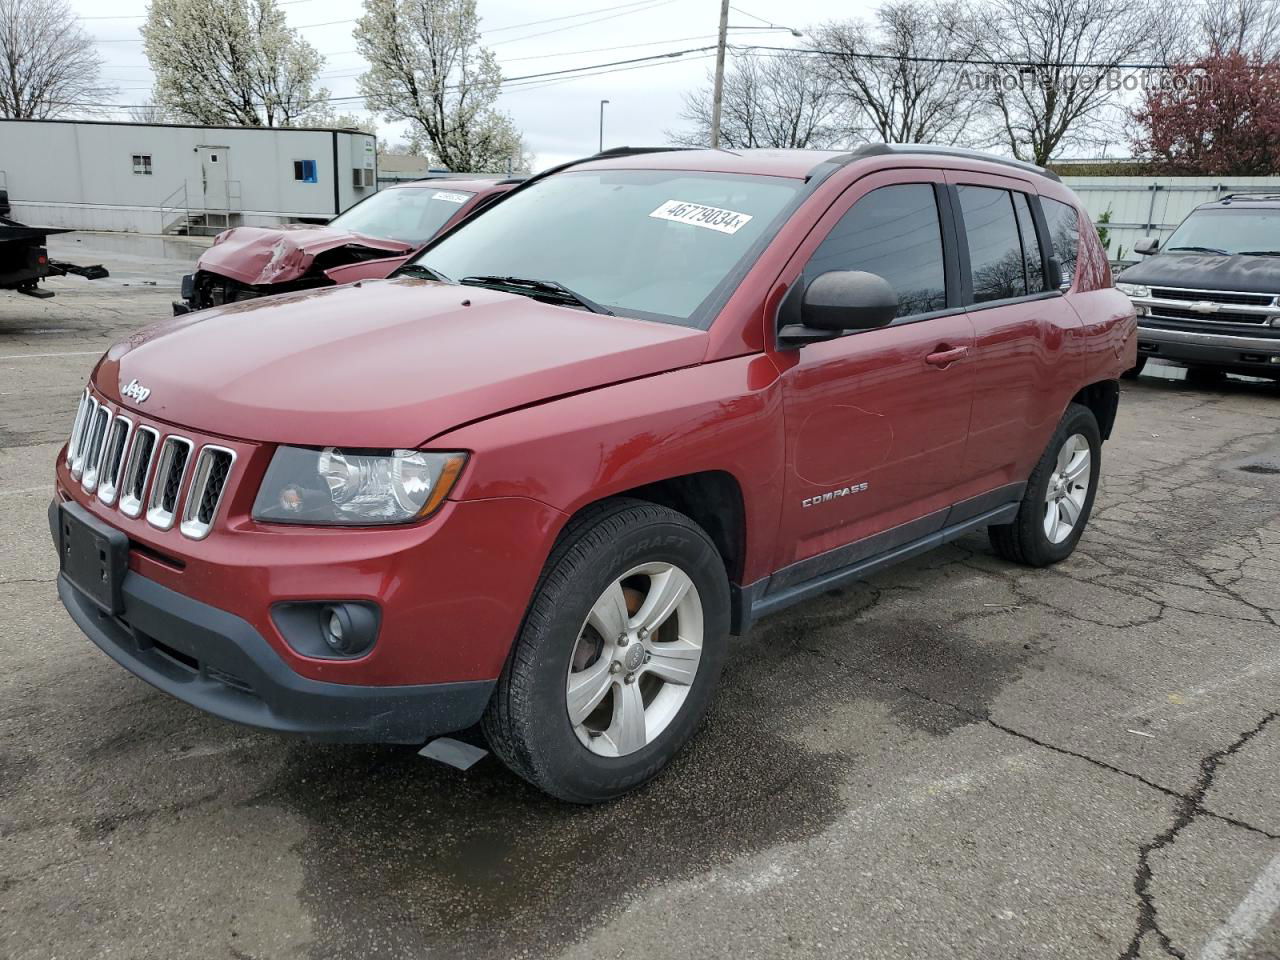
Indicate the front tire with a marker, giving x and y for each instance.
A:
(618, 655)
(1059, 496)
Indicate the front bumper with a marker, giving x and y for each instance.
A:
(1229, 351)
(219, 663)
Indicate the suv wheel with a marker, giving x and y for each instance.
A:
(1059, 495)
(618, 655)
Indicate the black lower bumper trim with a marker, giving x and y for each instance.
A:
(218, 662)
(1226, 356)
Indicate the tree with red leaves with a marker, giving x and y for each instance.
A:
(1217, 116)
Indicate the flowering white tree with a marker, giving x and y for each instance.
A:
(232, 62)
(426, 66)
(48, 66)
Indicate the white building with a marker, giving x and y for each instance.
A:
(170, 178)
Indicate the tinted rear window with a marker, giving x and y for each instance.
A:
(1064, 234)
(995, 250)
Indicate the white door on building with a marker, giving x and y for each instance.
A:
(213, 173)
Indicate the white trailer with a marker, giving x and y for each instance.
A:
(179, 178)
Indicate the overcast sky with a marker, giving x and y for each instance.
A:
(559, 120)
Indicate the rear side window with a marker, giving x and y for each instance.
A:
(1033, 265)
(995, 248)
(893, 232)
(1064, 234)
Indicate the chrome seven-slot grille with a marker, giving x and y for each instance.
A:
(1213, 306)
(119, 460)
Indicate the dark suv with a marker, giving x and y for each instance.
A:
(1210, 296)
(538, 478)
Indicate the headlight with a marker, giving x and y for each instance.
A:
(1134, 289)
(355, 487)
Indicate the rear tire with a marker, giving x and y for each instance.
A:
(1202, 376)
(1059, 496)
(618, 655)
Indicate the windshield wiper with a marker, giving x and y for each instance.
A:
(1198, 250)
(538, 289)
(1260, 253)
(419, 270)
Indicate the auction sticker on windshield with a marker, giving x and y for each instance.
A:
(700, 215)
(451, 197)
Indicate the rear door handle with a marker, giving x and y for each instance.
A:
(946, 356)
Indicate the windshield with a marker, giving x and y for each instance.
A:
(410, 214)
(1224, 230)
(656, 244)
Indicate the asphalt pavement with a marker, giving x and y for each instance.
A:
(956, 758)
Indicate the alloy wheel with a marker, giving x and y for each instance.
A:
(1068, 488)
(635, 659)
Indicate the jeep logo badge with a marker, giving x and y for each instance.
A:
(136, 391)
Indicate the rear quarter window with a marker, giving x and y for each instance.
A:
(1064, 234)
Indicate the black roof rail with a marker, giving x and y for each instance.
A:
(1261, 195)
(935, 150)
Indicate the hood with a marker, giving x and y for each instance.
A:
(1206, 271)
(388, 363)
(259, 256)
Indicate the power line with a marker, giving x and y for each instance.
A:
(1042, 64)
(567, 72)
(143, 16)
(650, 5)
(636, 6)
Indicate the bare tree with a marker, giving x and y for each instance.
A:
(901, 76)
(1031, 53)
(768, 101)
(1247, 27)
(426, 66)
(148, 111)
(48, 66)
(232, 62)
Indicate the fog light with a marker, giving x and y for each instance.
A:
(329, 630)
(349, 628)
(1142, 310)
(335, 637)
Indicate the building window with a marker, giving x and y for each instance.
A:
(142, 164)
(304, 171)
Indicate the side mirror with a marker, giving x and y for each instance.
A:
(837, 301)
(1146, 246)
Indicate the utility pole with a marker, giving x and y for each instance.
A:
(602, 103)
(719, 88)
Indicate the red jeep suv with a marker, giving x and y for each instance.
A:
(536, 479)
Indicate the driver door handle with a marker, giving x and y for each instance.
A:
(944, 356)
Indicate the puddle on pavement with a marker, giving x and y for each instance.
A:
(404, 855)
(81, 247)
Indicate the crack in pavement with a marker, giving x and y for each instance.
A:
(1193, 801)
(1188, 809)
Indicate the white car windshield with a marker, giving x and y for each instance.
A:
(658, 244)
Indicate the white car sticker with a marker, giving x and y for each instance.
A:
(700, 215)
(451, 197)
